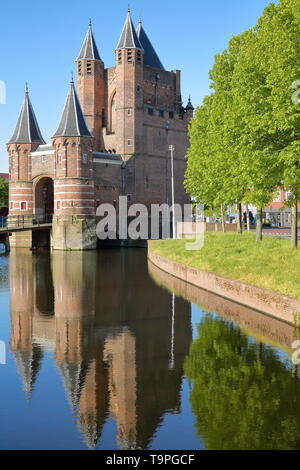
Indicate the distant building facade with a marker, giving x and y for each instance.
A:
(277, 213)
(113, 140)
(4, 176)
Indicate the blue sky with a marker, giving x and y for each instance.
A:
(41, 40)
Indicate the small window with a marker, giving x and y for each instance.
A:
(129, 112)
(89, 67)
(139, 57)
(120, 57)
(138, 87)
(277, 197)
(59, 158)
(79, 67)
(171, 114)
(161, 113)
(11, 205)
(23, 206)
(150, 111)
(84, 158)
(129, 141)
(58, 205)
(129, 56)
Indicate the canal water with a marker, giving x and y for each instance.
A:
(105, 351)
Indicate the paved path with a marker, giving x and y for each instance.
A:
(278, 232)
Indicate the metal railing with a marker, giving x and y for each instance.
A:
(24, 221)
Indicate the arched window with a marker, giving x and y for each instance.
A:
(113, 113)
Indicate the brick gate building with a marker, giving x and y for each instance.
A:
(112, 140)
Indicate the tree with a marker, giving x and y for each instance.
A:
(267, 67)
(245, 139)
(244, 394)
(213, 171)
(3, 193)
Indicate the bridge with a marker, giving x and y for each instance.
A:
(22, 223)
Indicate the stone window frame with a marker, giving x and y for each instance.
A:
(21, 206)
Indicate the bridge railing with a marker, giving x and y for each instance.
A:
(23, 221)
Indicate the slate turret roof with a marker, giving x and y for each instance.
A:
(72, 123)
(150, 56)
(89, 49)
(27, 130)
(129, 38)
(190, 107)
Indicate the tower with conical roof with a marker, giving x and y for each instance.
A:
(129, 95)
(113, 140)
(151, 58)
(189, 110)
(74, 198)
(91, 86)
(26, 138)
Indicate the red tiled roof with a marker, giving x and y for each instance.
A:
(4, 176)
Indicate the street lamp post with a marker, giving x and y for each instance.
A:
(172, 149)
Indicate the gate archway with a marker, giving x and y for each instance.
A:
(44, 196)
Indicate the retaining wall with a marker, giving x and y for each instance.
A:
(274, 304)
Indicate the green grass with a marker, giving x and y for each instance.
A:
(271, 264)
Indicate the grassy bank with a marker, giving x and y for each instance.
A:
(271, 264)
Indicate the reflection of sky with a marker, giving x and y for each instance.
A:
(176, 431)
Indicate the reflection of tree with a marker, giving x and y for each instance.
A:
(244, 396)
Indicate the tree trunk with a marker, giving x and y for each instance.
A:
(223, 218)
(239, 222)
(248, 219)
(294, 234)
(259, 225)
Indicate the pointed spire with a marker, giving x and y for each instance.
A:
(27, 130)
(72, 123)
(89, 49)
(189, 106)
(128, 38)
(150, 56)
(28, 366)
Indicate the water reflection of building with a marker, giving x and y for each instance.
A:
(118, 340)
(24, 284)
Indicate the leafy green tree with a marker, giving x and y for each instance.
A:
(3, 193)
(244, 395)
(213, 171)
(245, 139)
(266, 69)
